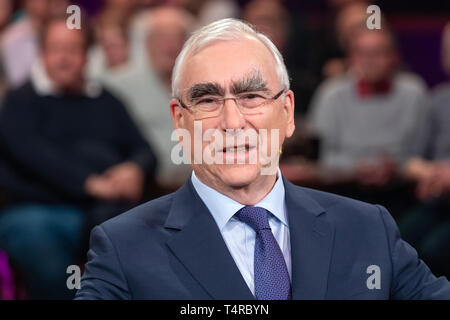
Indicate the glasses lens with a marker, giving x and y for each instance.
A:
(251, 100)
(248, 103)
(207, 104)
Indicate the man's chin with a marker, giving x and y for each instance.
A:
(239, 175)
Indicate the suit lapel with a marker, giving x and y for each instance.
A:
(311, 244)
(201, 249)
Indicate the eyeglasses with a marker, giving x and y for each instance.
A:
(248, 103)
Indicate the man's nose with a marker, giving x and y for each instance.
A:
(232, 118)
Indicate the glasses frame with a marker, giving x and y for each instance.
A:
(268, 100)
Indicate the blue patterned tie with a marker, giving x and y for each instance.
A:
(270, 270)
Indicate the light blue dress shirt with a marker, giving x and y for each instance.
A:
(238, 236)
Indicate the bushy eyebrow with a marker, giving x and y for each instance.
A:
(202, 89)
(250, 83)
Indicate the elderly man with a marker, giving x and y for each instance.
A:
(234, 230)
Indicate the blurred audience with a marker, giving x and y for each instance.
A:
(111, 32)
(367, 122)
(329, 38)
(146, 90)
(293, 39)
(430, 166)
(115, 12)
(271, 18)
(207, 11)
(349, 15)
(113, 41)
(427, 226)
(19, 45)
(71, 156)
(6, 13)
(203, 11)
(367, 119)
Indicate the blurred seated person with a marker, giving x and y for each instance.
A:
(114, 11)
(333, 33)
(430, 166)
(110, 52)
(295, 42)
(146, 89)
(428, 225)
(367, 120)
(19, 45)
(326, 59)
(71, 156)
(110, 56)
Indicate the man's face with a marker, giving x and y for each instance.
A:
(64, 55)
(372, 56)
(230, 68)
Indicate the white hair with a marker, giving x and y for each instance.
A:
(225, 30)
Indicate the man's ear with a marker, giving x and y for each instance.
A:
(176, 114)
(289, 106)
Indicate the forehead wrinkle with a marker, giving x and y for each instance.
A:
(251, 82)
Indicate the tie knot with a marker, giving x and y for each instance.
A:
(255, 217)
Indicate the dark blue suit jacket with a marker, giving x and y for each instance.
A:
(171, 248)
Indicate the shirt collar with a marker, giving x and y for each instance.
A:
(44, 86)
(223, 208)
